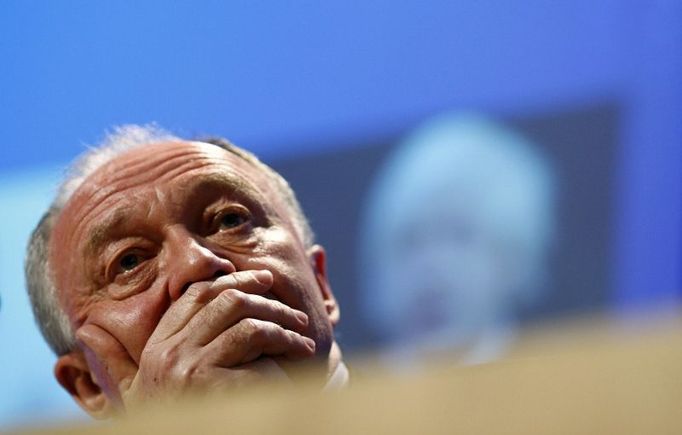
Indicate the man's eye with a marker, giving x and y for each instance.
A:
(231, 220)
(129, 262)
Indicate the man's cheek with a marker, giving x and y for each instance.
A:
(133, 320)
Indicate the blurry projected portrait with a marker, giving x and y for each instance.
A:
(455, 240)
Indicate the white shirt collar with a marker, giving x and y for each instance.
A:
(339, 379)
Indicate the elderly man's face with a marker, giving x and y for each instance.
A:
(156, 220)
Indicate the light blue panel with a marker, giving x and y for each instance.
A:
(30, 394)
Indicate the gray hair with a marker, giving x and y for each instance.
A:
(51, 318)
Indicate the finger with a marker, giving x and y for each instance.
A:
(198, 294)
(251, 338)
(110, 355)
(231, 306)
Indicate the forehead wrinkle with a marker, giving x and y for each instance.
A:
(149, 169)
(136, 168)
(112, 179)
(227, 180)
(189, 165)
(102, 231)
(117, 202)
(160, 197)
(92, 200)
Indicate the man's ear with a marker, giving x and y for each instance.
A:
(74, 375)
(318, 261)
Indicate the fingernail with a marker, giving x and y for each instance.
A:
(302, 317)
(263, 276)
(310, 342)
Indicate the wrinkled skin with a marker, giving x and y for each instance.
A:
(180, 268)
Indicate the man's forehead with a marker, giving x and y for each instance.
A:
(149, 166)
(160, 161)
(154, 153)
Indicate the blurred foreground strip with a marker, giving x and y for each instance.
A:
(592, 377)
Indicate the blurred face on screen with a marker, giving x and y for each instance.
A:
(454, 235)
(449, 275)
(180, 267)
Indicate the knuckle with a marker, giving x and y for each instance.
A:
(233, 298)
(292, 337)
(253, 276)
(282, 314)
(169, 357)
(250, 325)
(185, 371)
(274, 332)
(238, 279)
(199, 291)
(282, 310)
(261, 331)
(231, 280)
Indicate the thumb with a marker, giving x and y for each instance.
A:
(112, 366)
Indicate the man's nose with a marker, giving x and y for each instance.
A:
(189, 261)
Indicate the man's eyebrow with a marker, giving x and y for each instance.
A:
(224, 180)
(103, 231)
(240, 188)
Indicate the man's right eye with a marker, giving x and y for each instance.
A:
(125, 263)
(231, 220)
(129, 262)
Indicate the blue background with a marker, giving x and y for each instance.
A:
(291, 78)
